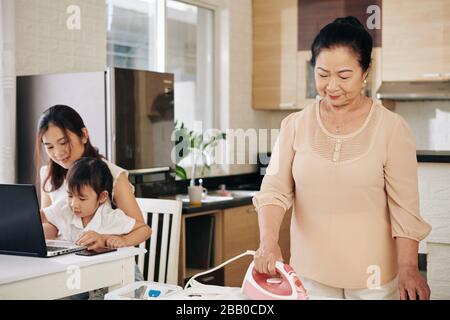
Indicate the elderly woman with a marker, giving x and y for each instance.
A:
(348, 167)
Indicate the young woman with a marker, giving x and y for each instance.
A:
(65, 138)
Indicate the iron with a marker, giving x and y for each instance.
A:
(284, 286)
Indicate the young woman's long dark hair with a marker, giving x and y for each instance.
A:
(67, 119)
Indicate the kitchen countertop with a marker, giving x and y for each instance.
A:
(217, 205)
(433, 156)
(422, 156)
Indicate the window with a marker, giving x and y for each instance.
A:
(189, 55)
(170, 36)
(131, 34)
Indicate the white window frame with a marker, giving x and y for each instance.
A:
(220, 88)
(214, 5)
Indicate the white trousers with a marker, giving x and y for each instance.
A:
(319, 291)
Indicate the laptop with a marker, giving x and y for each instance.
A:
(21, 231)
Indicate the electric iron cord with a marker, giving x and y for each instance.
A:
(246, 253)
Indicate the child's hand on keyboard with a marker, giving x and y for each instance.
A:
(92, 240)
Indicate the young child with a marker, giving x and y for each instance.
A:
(89, 217)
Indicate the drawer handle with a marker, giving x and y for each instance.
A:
(431, 75)
(287, 105)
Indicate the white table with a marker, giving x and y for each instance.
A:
(62, 276)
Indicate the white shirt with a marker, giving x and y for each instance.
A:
(106, 220)
(61, 194)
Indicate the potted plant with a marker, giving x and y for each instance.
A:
(197, 146)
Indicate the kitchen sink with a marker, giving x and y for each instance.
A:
(242, 193)
(233, 194)
(208, 199)
(214, 196)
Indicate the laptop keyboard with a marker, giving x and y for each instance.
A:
(55, 248)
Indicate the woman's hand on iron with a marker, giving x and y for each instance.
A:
(266, 256)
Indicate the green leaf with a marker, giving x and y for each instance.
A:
(180, 172)
(195, 141)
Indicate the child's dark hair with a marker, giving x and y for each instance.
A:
(93, 173)
(346, 32)
(67, 119)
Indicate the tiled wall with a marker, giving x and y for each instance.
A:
(45, 44)
(429, 121)
(434, 188)
(430, 124)
(438, 270)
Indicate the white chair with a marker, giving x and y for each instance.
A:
(160, 263)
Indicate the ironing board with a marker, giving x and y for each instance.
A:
(199, 291)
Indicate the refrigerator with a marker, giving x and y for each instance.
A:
(129, 115)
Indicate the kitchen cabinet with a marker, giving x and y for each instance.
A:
(306, 90)
(235, 230)
(241, 233)
(275, 54)
(194, 242)
(447, 41)
(415, 40)
(313, 15)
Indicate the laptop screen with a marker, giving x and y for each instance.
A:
(20, 222)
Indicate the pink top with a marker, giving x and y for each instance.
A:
(351, 195)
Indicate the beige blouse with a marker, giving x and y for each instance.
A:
(351, 195)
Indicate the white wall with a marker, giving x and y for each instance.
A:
(44, 43)
(7, 92)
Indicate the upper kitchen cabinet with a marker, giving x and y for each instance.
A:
(275, 54)
(313, 15)
(416, 41)
(446, 36)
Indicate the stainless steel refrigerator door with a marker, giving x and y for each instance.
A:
(85, 92)
(141, 118)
